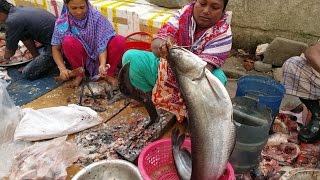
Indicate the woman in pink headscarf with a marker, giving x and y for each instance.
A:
(87, 40)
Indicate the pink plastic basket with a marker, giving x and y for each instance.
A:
(156, 162)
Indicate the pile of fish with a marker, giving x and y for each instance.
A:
(137, 136)
(21, 54)
(98, 143)
(116, 141)
(283, 148)
(95, 93)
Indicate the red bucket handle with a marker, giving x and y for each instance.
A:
(140, 33)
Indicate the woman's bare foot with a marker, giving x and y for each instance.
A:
(75, 82)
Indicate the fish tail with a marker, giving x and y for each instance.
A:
(181, 156)
(176, 138)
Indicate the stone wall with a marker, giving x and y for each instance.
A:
(260, 21)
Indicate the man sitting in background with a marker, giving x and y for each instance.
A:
(301, 78)
(28, 24)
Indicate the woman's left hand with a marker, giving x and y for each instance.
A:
(103, 69)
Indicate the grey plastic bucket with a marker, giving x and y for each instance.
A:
(253, 121)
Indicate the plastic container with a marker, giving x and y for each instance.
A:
(265, 89)
(139, 40)
(156, 162)
(253, 122)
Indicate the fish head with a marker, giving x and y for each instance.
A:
(185, 62)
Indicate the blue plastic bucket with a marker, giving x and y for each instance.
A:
(264, 89)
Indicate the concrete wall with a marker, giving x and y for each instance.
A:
(260, 21)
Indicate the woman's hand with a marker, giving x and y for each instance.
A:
(165, 46)
(65, 74)
(181, 101)
(103, 69)
(58, 59)
(160, 46)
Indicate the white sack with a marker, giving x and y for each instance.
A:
(55, 122)
(10, 116)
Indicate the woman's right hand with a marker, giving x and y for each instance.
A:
(65, 74)
(160, 46)
(165, 46)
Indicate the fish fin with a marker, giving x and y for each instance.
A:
(216, 85)
(187, 152)
(174, 137)
(181, 140)
(181, 156)
(202, 73)
(187, 156)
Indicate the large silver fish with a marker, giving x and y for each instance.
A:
(210, 116)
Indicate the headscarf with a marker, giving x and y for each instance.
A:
(211, 44)
(93, 31)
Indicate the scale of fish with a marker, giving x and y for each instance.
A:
(210, 119)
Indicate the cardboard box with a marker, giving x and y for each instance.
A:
(35, 3)
(53, 6)
(124, 15)
(152, 20)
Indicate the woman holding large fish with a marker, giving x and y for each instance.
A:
(202, 27)
(87, 40)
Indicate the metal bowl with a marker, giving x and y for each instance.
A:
(109, 169)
